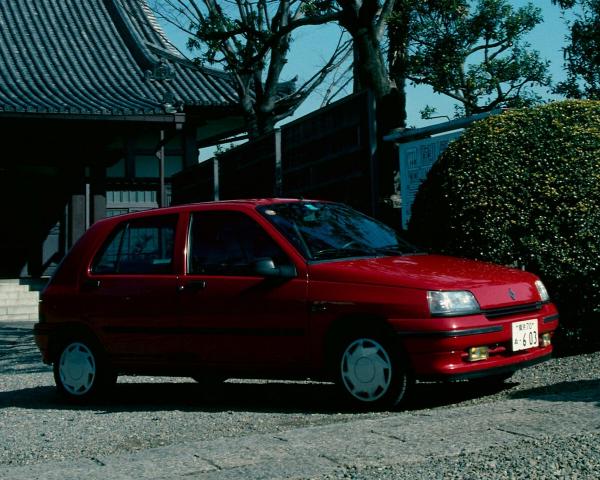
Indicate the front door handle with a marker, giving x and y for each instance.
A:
(192, 286)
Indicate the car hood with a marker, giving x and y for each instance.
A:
(489, 283)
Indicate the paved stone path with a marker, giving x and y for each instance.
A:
(317, 451)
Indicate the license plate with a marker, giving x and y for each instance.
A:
(524, 335)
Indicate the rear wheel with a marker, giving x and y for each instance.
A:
(80, 372)
(370, 371)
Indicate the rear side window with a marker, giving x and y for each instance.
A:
(141, 246)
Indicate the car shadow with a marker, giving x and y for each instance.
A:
(574, 391)
(270, 397)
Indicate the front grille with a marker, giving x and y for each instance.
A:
(493, 313)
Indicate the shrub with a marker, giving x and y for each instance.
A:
(523, 189)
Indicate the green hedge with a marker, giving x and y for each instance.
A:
(523, 188)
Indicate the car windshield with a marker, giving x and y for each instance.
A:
(325, 231)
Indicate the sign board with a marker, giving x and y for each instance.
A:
(416, 159)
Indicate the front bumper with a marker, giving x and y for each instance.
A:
(437, 348)
(496, 370)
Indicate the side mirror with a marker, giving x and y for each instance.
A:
(265, 267)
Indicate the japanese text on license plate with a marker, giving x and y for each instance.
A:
(524, 335)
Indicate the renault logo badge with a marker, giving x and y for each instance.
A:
(512, 294)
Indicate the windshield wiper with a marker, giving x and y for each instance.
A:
(343, 252)
(397, 249)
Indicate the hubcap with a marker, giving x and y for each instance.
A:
(77, 369)
(366, 370)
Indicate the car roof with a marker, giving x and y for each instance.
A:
(250, 203)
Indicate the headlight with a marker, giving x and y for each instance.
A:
(542, 291)
(452, 303)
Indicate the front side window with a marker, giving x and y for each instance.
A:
(325, 231)
(141, 246)
(229, 243)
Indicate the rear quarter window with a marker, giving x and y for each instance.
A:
(139, 246)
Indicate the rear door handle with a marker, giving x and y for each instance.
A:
(192, 286)
(90, 284)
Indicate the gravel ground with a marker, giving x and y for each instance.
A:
(145, 412)
(576, 457)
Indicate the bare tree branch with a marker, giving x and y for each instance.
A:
(330, 94)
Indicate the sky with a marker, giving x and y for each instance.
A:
(312, 46)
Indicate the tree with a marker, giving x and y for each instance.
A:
(582, 54)
(474, 52)
(251, 40)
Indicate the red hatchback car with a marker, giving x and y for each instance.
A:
(282, 289)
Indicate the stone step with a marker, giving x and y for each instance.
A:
(18, 302)
(18, 309)
(13, 287)
(17, 297)
(19, 317)
(33, 284)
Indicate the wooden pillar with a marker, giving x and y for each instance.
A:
(190, 148)
(372, 141)
(278, 171)
(35, 260)
(161, 171)
(98, 194)
(216, 187)
(77, 217)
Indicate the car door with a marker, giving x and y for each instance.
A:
(233, 316)
(130, 291)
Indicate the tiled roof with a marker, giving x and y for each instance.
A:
(96, 57)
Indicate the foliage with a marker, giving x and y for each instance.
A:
(582, 54)
(523, 188)
(473, 52)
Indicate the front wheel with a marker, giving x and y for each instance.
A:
(371, 373)
(80, 372)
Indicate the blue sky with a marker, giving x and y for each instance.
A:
(312, 46)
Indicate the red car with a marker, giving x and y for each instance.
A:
(282, 289)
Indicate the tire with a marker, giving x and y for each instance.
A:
(370, 371)
(80, 371)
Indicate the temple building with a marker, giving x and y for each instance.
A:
(97, 111)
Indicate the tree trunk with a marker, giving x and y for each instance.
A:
(259, 121)
(369, 67)
(398, 35)
(370, 71)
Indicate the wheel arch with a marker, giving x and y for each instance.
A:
(346, 324)
(68, 331)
